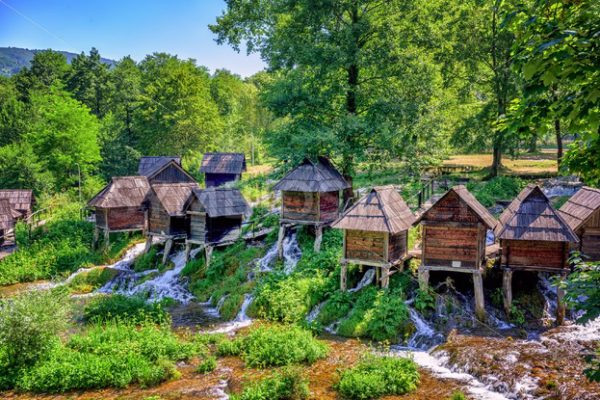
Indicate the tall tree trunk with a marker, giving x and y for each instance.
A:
(559, 143)
(532, 145)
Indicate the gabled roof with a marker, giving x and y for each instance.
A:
(122, 191)
(173, 196)
(7, 220)
(580, 207)
(531, 217)
(223, 163)
(381, 210)
(19, 199)
(150, 165)
(313, 177)
(221, 202)
(470, 201)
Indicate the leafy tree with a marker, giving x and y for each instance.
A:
(21, 169)
(64, 137)
(12, 112)
(48, 68)
(119, 157)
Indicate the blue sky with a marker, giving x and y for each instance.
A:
(123, 27)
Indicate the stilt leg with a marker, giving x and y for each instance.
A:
(106, 238)
(343, 276)
(208, 251)
(318, 238)
(148, 243)
(479, 301)
(423, 278)
(385, 279)
(560, 304)
(377, 276)
(96, 235)
(280, 241)
(168, 247)
(188, 248)
(507, 290)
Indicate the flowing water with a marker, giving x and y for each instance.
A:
(366, 280)
(314, 313)
(241, 320)
(291, 253)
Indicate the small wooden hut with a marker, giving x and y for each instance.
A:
(163, 170)
(216, 216)
(582, 213)
(222, 168)
(310, 195)
(7, 219)
(376, 232)
(20, 200)
(533, 237)
(118, 207)
(166, 214)
(453, 235)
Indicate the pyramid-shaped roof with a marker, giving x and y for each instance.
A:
(309, 176)
(580, 207)
(122, 191)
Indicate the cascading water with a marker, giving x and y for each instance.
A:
(241, 320)
(550, 298)
(291, 254)
(425, 336)
(366, 280)
(314, 313)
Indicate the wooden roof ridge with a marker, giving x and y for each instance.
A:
(115, 194)
(164, 166)
(530, 216)
(149, 164)
(470, 201)
(174, 196)
(392, 215)
(581, 207)
(223, 163)
(220, 201)
(309, 176)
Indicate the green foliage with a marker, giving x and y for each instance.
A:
(111, 355)
(424, 300)
(29, 324)
(287, 384)
(125, 308)
(458, 395)
(375, 376)
(207, 365)
(147, 261)
(498, 188)
(517, 315)
(88, 281)
(584, 282)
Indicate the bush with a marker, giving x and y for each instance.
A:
(29, 324)
(87, 282)
(498, 188)
(147, 261)
(424, 300)
(458, 395)
(375, 376)
(133, 309)
(288, 384)
(111, 355)
(208, 365)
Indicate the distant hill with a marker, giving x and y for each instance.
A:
(12, 59)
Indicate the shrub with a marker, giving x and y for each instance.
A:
(424, 300)
(207, 365)
(87, 282)
(498, 188)
(131, 308)
(375, 376)
(29, 324)
(288, 384)
(147, 261)
(458, 395)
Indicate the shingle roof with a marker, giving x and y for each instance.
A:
(222, 202)
(531, 217)
(149, 165)
(223, 163)
(474, 205)
(580, 207)
(7, 220)
(173, 196)
(313, 177)
(19, 199)
(381, 210)
(122, 191)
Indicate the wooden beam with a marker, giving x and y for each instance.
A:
(479, 299)
(168, 247)
(343, 276)
(507, 290)
(423, 278)
(280, 238)
(318, 238)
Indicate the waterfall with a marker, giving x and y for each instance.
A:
(367, 279)
(240, 321)
(425, 335)
(550, 298)
(314, 313)
(264, 264)
(291, 253)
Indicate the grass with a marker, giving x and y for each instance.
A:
(133, 309)
(287, 384)
(543, 163)
(87, 282)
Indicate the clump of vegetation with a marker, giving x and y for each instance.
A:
(458, 395)
(498, 188)
(375, 376)
(147, 261)
(276, 345)
(89, 281)
(424, 299)
(113, 355)
(134, 309)
(288, 384)
(207, 365)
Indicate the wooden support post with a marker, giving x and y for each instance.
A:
(377, 276)
(208, 252)
(507, 290)
(148, 243)
(188, 249)
(385, 280)
(318, 238)
(560, 303)
(423, 278)
(280, 241)
(96, 235)
(343, 276)
(168, 247)
(479, 301)
(106, 238)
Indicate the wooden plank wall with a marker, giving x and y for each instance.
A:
(215, 180)
(590, 237)
(364, 245)
(398, 246)
(451, 209)
(158, 218)
(445, 244)
(330, 205)
(300, 206)
(171, 174)
(125, 218)
(529, 253)
(197, 221)
(222, 228)
(100, 220)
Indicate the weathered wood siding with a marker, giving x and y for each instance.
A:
(197, 221)
(330, 206)
(125, 218)
(451, 246)
(365, 245)
(223, 229)
(300, 206)
(529, 254)
(171, 174)
(159, 220)
(590, 237)
(216, 180)
(398, 244)
(100, 214)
